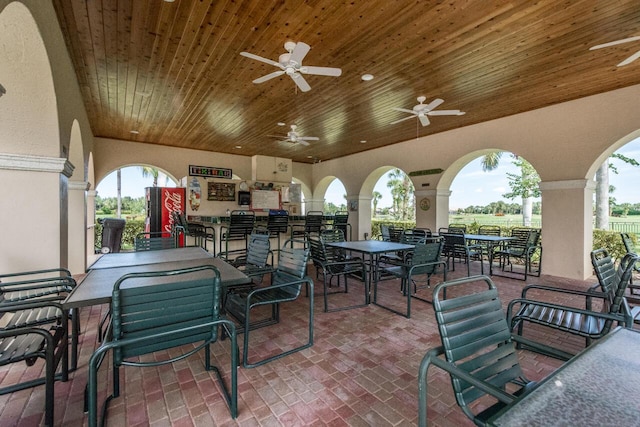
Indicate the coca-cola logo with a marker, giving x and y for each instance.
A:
(172, 203)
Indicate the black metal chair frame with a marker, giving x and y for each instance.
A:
(277, 224)
(47, 339)
(313, 225)
(524, 247)
(332, 263)
(180, 310)
(38, 286)
(457, 246)
(199, 232)
(240, 226)
(628, 245)
(425, 261)
(287, 282)
(479, 350)
(154, 241)
(585, 321)
(341, 222)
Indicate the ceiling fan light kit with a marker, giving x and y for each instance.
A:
(290, 63)
(422, 111)
(294, 137)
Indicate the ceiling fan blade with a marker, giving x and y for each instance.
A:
(299, 52)
(424, 120)
(445, 113)
(616, 42)
(261, 59)
(630, 59)
(402, 120)
(301, 82)
(435, 103)
(309, 138)
(302, 142)
(268, 77)
(404, 110)
(321, 71)
(277, 136)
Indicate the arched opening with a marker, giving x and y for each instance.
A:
(299, 207)
(616, 202)
(133, 181)
(497, 188)
(333, 193)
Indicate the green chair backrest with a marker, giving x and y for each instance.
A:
(612, 281)
(154, 241)
(148, 304)
(292, 266)
(258, 249)
(476, 337)
(427, 253)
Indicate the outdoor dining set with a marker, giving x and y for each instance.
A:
(166, 295)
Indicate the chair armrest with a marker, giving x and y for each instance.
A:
(68, 282)
(427, 264)
(620, 317)
(305, 279)
(37, 272)
(587, 293)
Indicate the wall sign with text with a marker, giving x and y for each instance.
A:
(209, 172)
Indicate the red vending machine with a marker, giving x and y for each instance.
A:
(161, 202)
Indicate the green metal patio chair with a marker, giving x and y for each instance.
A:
(584, 322)
(425, 261)
(332, 263)
(286, 284)
(161, 310)
(478, 349)
(154, 241)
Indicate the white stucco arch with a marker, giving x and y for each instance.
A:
(29, 106)
(134, 165)
(591, 173)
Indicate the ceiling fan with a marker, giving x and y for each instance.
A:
(290, 63)
(423, 110)
(627, 61)
(294, 137)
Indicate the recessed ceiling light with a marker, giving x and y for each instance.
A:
(135, 132)
(169, 1)
(364, 141)
(309, 157)
(238, 146)
(367, 77)
(281, 124)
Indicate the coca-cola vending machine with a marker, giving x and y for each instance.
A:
(161, 202)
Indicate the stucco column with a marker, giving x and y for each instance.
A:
(91, 224)
(432, 209)
(359, 208)
(567, 231)
(78, 227)
(34, 214)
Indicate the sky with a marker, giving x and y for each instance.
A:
(472, 186)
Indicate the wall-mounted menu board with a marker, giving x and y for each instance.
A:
(221, 191)
(265, 199)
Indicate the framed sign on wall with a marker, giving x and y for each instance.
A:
(221, 191)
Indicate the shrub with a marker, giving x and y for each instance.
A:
(611, 241)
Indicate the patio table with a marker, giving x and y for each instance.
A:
(597, 387)
(123, 259)
(372, 248)
(97, 285)
(491, 241)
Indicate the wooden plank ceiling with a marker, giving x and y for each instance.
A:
(172, 71)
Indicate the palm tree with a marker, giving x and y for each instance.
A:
(524, 186)
(375, 198)
(603, 189)
(402, 191)
(148, 171)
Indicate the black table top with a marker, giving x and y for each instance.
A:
(97, 286)
(371, 246)
(124, 259)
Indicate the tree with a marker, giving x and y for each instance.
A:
(402, 192)
(603, 189)
(148, 171)
(526, 185)
(375, 198)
